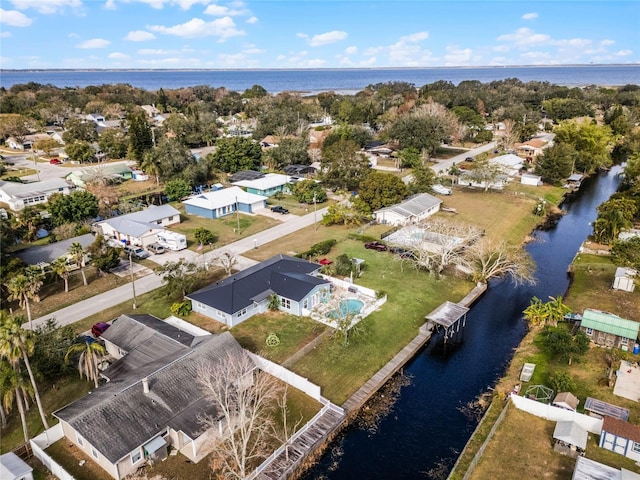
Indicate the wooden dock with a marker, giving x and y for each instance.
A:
(473, 295)
(286, 462)
(365, 392)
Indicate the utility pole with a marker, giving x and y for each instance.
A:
(133, 283)
(238, 214)
(315, 226)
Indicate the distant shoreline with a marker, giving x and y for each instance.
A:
(497, 67)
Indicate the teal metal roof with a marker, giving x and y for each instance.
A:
(610, 323)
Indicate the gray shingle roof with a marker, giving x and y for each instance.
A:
(52, 251)
(137, 223)
(119, 417)
(286, 276)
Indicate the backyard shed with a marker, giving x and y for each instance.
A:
(566, 400)
(570, 438)
(624, 279)
(12, 467)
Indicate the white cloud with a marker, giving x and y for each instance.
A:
(110, 5)
(222, 28)
(94, 43)
(73, 35)
(501, 48)
(118, 56)
(5, 34)
(252, 20)
(415, 37)
(530, 16)
(327, 38)
(47, 7)
(606, 42)
(222, 11)
(369, 62)
(157, 51)
(622, 53)
(525, 37)
(139, 36)
(14, 18)
(352, 50)
(407, 51)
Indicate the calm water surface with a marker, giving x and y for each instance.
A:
(426, 428)
(343, 80)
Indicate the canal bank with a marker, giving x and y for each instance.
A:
(432, 420)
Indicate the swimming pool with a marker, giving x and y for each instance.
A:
(347, 306)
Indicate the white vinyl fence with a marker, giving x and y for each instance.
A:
(549, 412)
(287, 376)
(44, 440)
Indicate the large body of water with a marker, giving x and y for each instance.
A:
(426, 427)
(319, 80)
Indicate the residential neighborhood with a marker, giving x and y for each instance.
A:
(180, 257)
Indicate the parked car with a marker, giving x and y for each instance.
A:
(469, 159)
(381, 247)
(55, 161)
(279, 209)
(99, 328)
(156, 248)
(136, 252)
(441, 189)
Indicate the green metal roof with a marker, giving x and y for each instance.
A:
(610, 323)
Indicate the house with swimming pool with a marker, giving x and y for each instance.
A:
(293, 281)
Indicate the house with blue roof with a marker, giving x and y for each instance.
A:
(292, 280)
(223, 202)
(609, 330)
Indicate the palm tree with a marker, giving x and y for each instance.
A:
(13, 386)
(17, 344)
(25, 288)
(609, 224)
(77, 253)
(59, 267)
(91, 353)
(151, 166)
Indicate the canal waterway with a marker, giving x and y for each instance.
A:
(426, 429)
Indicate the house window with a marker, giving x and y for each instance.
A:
(636, 447)
(170, 219)
(94, 452)
(135, 457)
(80, 439)
(624, 341)
(589, 331)
(305, 303)
(285, 302)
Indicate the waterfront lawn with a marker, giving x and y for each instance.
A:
(591, 288)
(522, 447)
(412, 294)
(502, 215)
(293, 333)
(65, 390)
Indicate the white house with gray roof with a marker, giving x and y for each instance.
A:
(139, 228)
(292, 280)
(412, 210)
(20, 195)
(151, 400)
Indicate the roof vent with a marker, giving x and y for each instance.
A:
(145, 385)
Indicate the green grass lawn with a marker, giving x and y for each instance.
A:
(591, 288)
(64, 392)
(226, 228)
(296, 208)
(293, 333)
(412, 294)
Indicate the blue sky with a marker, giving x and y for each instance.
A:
(314, 34)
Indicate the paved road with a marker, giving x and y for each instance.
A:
(445, 165)
(98, 303)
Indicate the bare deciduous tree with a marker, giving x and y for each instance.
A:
(490, 259)
(227, 260)
(244, 398)
(437, 244)
(285, 431)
